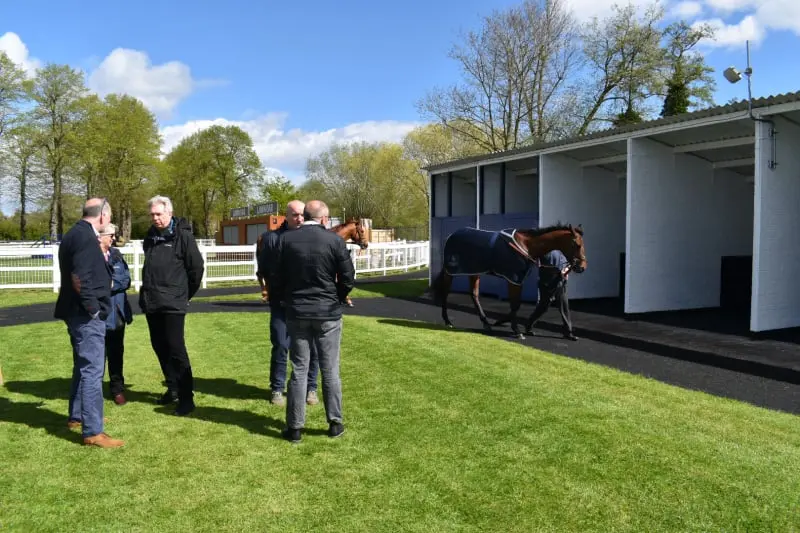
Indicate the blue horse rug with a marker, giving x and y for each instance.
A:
(470, 251)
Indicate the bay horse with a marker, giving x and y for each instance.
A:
(352, 229)
(507, 254)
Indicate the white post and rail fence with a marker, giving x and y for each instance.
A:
(31, 266)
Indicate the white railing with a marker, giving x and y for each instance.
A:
(23, 267)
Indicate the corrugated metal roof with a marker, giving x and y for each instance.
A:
(675, 119)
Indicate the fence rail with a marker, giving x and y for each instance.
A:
(26, 267)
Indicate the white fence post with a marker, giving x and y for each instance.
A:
(137, 273)
(56, 268)
(204, 253)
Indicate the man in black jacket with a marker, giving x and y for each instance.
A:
(313, 274)
(171, 275)
(278, 334)
(84, 302)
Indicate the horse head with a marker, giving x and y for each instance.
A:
(576, 253)
(359, 233)
(353, 229)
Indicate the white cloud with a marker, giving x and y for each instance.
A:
(160, 87)
(17, 51)
(758, 18)
(686, 10)
(286, 151)
(734, 35)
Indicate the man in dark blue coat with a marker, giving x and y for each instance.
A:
(278, 333)
(84, 302)
(553, 274)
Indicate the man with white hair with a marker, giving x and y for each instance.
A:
(171, 276)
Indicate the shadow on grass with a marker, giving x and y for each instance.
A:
(229, 388)
(32, 415)
(501, 333)
(247, 420)
(58, 389)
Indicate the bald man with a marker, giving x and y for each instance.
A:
(278, 333)
(84, 302)
(313, 275)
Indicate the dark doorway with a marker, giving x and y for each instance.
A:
(736, 282)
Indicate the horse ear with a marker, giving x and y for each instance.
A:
(570, 227)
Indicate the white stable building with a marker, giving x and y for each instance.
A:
(698, 210)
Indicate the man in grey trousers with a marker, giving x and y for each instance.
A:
(315, 274)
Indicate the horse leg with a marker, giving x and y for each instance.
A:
(515, 299)
(475, 289)
(444, 289)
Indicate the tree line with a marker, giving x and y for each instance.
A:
(530, 73)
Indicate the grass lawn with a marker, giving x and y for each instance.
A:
(446, 431)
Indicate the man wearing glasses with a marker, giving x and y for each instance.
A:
(84, 302)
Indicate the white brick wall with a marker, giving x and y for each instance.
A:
(776, 285)
(595, 198)
(673, 259)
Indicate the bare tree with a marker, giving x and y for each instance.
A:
(514, 75)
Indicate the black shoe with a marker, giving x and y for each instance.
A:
(292, 435)
(335, 430)
(184, 409)
(168, 398)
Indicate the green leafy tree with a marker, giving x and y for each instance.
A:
(12, 91)
(372, 181)
(690, 82)
(56, 92)
(211, 171)
(278, 189)
(117, 152)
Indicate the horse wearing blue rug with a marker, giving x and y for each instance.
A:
(509, 254)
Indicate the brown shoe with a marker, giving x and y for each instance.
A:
(73, 424)
(119, 399)
(103, 441)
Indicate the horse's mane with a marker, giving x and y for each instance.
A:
(538, 232)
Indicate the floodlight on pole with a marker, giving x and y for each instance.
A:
(733, 76)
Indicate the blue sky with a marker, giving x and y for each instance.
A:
(299, 76)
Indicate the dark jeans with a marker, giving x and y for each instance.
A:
(87, 336)
(167, 339)
(546, 292)
(281, 342)
(115, 350)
